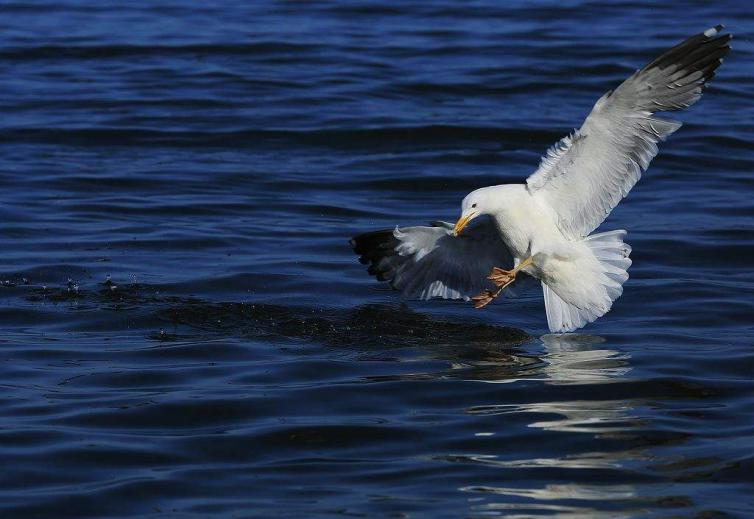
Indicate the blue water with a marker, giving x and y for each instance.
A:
(214, 160)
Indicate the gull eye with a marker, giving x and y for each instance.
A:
(473, 206)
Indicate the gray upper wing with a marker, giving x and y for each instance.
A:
(584, 176)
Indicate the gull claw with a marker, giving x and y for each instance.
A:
(502, 278)
(483, 298)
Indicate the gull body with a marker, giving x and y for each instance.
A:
(569, 269)
(544, 229)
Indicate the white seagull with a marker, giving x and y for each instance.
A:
(542, 228)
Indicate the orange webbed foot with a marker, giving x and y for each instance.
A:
(502, 278)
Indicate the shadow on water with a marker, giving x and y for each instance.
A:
(366, 327)
(472, 350)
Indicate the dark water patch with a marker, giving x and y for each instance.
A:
(373, 326)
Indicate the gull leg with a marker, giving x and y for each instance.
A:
(501, 278)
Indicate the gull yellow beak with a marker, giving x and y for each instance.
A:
(462, 223)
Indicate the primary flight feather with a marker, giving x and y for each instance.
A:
(542, 228)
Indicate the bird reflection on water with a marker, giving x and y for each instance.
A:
(581, 364)
(578, 360)
(568, 359)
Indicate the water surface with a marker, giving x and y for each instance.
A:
(186, 332)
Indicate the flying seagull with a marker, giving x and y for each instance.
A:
(543, 228)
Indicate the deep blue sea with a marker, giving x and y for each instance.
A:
(186, 332)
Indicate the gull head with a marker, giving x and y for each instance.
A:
(477, 203)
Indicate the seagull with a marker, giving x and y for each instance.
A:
(542, 229)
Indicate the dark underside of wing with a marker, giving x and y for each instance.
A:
(428, 262)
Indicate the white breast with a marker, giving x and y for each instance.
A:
(527, 226)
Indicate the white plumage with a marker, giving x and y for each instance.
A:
(543, 228)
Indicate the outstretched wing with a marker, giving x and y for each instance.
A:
(429, 262)
(586, 174)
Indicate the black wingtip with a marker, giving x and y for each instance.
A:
(702, 52)
(377, 249)
(362, 243)
(373, 247)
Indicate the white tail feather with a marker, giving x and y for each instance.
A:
(613, 255)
